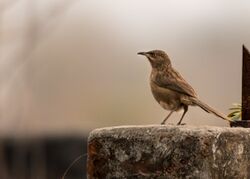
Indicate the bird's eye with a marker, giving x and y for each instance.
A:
(152, 54)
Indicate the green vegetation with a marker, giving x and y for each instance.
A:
(235, 113)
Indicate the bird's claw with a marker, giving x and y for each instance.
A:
(167, 123)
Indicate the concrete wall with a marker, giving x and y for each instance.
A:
(169, 152)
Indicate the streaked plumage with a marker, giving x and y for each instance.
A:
(170, 89)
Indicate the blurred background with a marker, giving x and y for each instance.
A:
(70, 66)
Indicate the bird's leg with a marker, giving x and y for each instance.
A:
(163, 122)
(185, 110)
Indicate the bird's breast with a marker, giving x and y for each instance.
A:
(167, 98)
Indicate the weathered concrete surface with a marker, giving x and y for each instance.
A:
(169, 152)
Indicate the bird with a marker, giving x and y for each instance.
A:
(170, 89)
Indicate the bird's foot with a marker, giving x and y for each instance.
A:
(181, 124)
(167, 123)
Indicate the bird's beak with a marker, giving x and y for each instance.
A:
(142, 53)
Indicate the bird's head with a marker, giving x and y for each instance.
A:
(157, 58)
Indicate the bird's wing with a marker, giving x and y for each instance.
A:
(174, 81)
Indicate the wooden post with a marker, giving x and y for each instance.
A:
(246, 85)
(245, 122)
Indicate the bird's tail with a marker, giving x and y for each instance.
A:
(209, 109)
